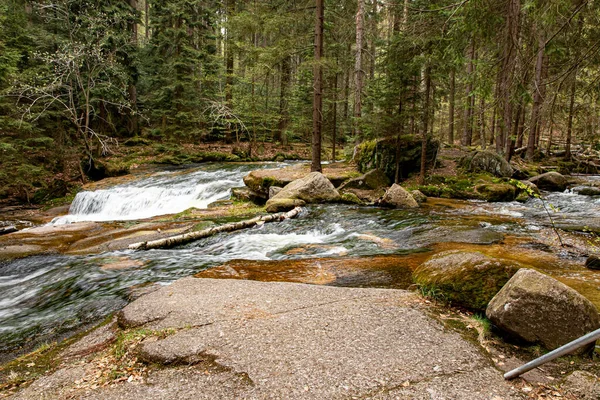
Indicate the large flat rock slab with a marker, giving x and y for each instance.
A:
(303, 341)
(273, 340)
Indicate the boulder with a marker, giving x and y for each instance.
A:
(273, 190)
(313, 188)
(550, 181)
(494, 192)
(381, 154)
(536, 308)
(593, 262)
(398, 197)
(583, 385)
(419, 197)
(468, 279)
(246, 194)
(281, 205)
(490, 162)
(372, 180)
(351, 198)
(586, 190)
(366, 196)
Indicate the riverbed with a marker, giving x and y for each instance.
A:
(44, 296)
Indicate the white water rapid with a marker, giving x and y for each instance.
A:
(166, 192)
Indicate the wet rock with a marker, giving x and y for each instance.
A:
(584, 385)
(366, 196)
(313, 188)
(381, 154)
(490, 162)
(261, 180)
(468, 279)
(220, 203)
(496, 192)
(550, 181)
(280, 205)
(398, 197)
(273, 190)
(536, 308)
(419, 197)
(246, 194)
(350, 198)
(593, 262)
(587, 190)
(372, 180)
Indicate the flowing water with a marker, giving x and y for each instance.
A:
(45, 295)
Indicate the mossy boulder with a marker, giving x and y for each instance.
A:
(489, 162)
(398, 197)
(372, 180)
(550, 181)
(495, 192)
(351, 198)
(245, 194)
(365, 196)
(381, 154)
(536, 308)
(586, 190)
(468, 279)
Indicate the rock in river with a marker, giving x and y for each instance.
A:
(593, 262)
(468, 279)
(398, 197)
(550, 181)
(313, 188)
(536, 308)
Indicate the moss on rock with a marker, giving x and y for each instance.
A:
(468, 279)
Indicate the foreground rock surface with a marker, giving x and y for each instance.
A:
(468, 279)
(256, 340)
(538, 309)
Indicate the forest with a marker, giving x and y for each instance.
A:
(78, 79)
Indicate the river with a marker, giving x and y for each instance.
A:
(42, 297)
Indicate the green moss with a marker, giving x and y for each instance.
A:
(351, 198)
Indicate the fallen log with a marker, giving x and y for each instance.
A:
(7, 229)
(190, 237)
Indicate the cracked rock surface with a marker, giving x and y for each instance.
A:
(272, 340)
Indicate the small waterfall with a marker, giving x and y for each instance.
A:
(163, 193)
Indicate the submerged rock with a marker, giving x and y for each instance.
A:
(313, 188)
(593, 262)
(398, 197)
(536, 308)
(468, 279)
(490, 162)
(587, 190)
(550, 181)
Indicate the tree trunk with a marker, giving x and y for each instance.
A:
(451, 107)
(132, 88)
(570, 119)
(334, 112)
(358, 72)
(318, 88)
(481, 122)
(467, 136)
(147, 18)
(283, 102)
(235, 226)
(229, 67)
(537, 99)
(507, 72)
(425, 140)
